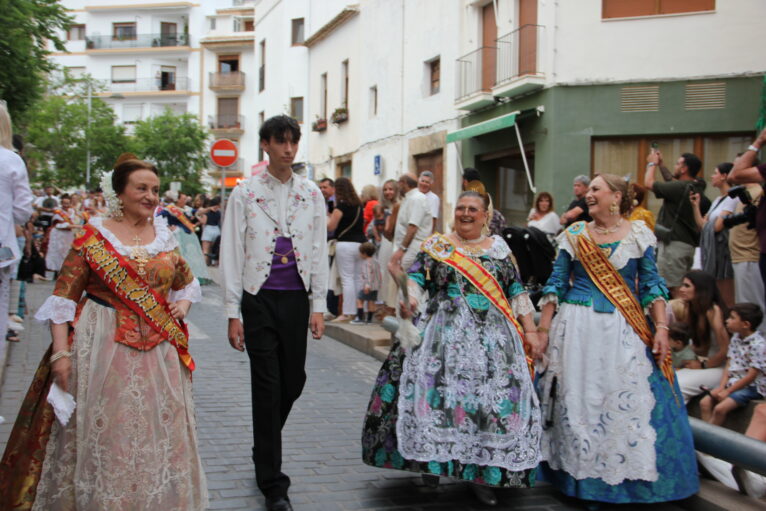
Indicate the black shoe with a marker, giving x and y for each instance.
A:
(430, 480)
(485, 494)
(279, 504)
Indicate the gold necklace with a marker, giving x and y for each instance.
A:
(467, 249)
(607, 230)
(140, 255)
(284, 256)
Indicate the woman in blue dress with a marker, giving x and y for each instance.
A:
(615, 426)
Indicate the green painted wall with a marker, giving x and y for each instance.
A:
(561, 137)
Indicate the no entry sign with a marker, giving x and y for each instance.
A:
(224, 152)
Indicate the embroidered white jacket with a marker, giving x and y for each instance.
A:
(250, 231)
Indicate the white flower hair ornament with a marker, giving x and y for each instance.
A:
(113, 203)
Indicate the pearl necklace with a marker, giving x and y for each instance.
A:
(607, 230)
(464, 241)
(466, 247)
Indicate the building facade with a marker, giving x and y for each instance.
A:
(588, 86)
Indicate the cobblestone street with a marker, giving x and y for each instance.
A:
(321, 438)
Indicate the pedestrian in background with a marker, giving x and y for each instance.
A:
(714, 238)
(425, 183)
(389, 199)
(639, 211)
(15, 208)
(210, 218)
(347, 220)
(578, 208)
(369, 285)
(543, 216)
(369, 198)
(274, 253)
(414, 223)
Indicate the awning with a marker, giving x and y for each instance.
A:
(474, 130)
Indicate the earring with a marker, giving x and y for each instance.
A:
(613, 209)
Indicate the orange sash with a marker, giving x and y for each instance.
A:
(65, 216)
(133, 290)
(609, 281)
(180, 215)
(442, 249)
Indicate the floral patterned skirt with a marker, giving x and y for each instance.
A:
(380, 445)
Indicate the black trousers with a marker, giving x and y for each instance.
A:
(276, 326)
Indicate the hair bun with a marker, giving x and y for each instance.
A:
(124, 157)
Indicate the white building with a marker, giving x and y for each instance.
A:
(378, 101)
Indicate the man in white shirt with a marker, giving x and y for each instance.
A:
(273, 254)
(414, 223)
(425, 182)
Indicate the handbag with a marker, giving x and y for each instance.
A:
(662, 232)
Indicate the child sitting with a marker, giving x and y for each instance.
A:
(682, 351)
(743, 379)
(370, 280)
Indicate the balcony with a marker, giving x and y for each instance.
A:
(227, 82)
(475, 78)
(142, 41)
(178, 85)
(519, 62)
(226, 124)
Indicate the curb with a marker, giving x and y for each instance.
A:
(372, 339)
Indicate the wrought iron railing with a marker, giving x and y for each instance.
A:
(475, 71)
(103, 42)
(149, 85)
(230, 79)
(518, 53)
(225, 121)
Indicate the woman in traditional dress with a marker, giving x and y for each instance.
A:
(615, 424)
(460, 403)
(183, 229)
(131, 441)
(65, 220)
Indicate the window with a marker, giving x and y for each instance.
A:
(124, 31)
(228, 63)
(344, 84)
(228, 113)
(123, 74)
(296, 109)
(298, 31)
(131, 114)
(212, 20)
(261, 120)
(262, 69)
(373, 101)
(76, 33)
(434, 69)
(249, 25)
(168, 78)
(244, 24)
(323, 96)
(76, 71)
(630, 8)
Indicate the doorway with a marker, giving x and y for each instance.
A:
(168, 78)
(504, 177)
(488, 47)
(433, 161)
(168, 33)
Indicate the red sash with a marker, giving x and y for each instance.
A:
(442, 249)
(180, 215)
(609, 281)
(62, 214)
(133, 290)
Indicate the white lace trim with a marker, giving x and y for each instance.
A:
(522, 305)
(164, 240)
(632, 246)
(498, 250)
(549, 298)
(192, 292)
(648, 308)
(56, 309)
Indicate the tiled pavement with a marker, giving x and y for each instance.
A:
(321, 438)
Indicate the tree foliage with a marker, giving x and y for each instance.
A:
(59, 134)
(27, 28)
(177, 144)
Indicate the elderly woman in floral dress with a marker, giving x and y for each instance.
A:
(458, 401)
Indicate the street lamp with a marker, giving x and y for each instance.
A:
(87, 133)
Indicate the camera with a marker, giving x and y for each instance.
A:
(748, 213)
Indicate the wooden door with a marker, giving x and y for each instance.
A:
(228, 113)
(527, 37)
(488, 43)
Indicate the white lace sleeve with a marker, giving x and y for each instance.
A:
(192, 292)
(56, 309)
(549, 298)
(522, 305)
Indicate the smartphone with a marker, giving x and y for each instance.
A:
(655, 146)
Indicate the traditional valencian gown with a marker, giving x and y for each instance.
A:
(188, 243)
(60, 238)
(131, 442)
(616, 430)
(460, 404)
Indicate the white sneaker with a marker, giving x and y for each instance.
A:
(16, 327)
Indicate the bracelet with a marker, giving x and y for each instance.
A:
(60, 354)
(651, 164)
(662, 325)
(751, 147)
(543, 329)
(403, 248)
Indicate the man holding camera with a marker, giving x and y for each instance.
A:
(747, 171)
(676, 229)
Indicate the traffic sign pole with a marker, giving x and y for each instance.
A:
(224, 153)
